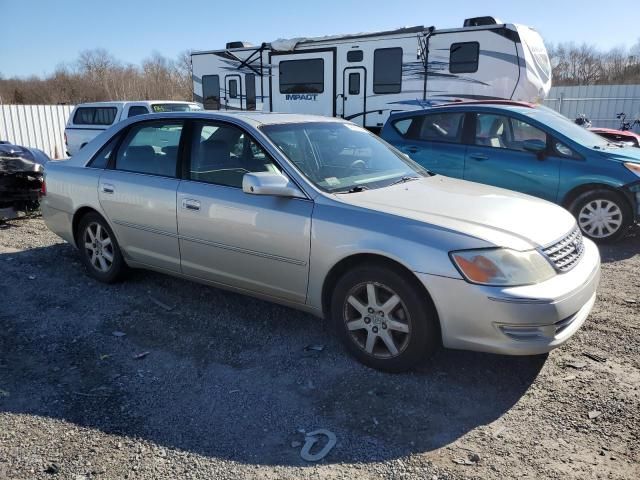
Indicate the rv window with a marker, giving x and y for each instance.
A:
(354, 56)
(463, 57)
(211, 92)
(250, 81)
(354, 84)
(387, 70)
(233, 88)
(302, 76)
(95, 115)
(137, 110)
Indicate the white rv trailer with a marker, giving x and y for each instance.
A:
(365, 77)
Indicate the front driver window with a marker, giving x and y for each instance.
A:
(222, 154)
(500, 131)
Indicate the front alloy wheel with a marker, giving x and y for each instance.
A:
(377, 320)
(384, 317)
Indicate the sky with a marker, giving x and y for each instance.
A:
(38, 35)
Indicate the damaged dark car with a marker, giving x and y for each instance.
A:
(21, 173)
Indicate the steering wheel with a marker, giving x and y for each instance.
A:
(358, 166)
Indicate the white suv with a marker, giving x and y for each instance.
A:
(87, 120)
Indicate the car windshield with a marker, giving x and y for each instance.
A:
(341, 157)
(175, 107)
(566, 127)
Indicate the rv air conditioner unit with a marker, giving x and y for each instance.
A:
(239, 44)
(481, 21)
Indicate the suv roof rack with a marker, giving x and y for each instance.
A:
(514, 103)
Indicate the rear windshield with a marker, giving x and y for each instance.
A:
(95, 115)
(174, 107)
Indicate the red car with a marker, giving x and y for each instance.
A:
(624, 136)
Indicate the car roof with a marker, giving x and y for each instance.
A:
(124, 102)
(253, 118)
(469, 106)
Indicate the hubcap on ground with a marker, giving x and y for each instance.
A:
(377, 320)
(99, 247)
(600, 218)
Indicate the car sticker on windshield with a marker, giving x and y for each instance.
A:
(332, 181)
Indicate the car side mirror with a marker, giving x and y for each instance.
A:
(269, 183)
(535, 146)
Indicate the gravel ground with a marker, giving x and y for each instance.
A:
(227, 387)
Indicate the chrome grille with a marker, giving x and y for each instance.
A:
(566, 253)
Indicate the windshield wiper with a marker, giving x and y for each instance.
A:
(354, 189)
(404, 179)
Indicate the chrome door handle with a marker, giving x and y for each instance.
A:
(108, 188)
(190, 204)
(479, 156)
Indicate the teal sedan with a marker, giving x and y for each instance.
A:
(530, 149)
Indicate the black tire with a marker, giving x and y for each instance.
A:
(415, 311)
(617, 208)
(110, 253)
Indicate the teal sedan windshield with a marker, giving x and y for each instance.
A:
(341, 157)
(566, 127)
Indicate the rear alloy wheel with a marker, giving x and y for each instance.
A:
(602, 215)
(384, 319)
(99, 248)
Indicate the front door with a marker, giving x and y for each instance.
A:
(138, 194)
(233, 92)
(354, 95)
(497, 157)
(258, 243)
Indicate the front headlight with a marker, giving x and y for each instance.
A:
(502, 266)
(634, 167)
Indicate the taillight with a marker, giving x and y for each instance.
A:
(43, 188)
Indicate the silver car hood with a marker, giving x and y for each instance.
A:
(498, 216)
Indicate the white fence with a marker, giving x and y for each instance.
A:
(600, 103)
(38, 126)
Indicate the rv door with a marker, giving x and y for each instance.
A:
(233, 92)
(353, 97)
(303, 82)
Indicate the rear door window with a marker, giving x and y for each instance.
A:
(95, 115)
(151, 148)
(441, 127)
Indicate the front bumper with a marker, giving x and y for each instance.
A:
(526, 320)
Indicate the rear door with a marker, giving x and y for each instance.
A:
(303, 82)
(497, 157)
(138, 193)
(434, 141)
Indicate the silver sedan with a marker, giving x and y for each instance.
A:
(321, 215)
